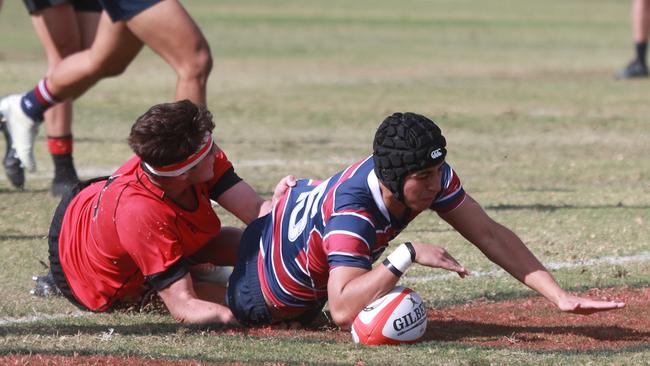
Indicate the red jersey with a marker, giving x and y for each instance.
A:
(116, 233)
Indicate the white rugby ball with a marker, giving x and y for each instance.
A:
(398, 317)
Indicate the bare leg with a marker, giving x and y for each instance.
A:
(63, 32)
(222, 250)
(640, 28)
(179, 41)
(112, 51)
(210, 292)
(641, 20)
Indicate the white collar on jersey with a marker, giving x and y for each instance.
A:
(373, 184)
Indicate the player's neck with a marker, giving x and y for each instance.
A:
(178, 190)
(394, 206)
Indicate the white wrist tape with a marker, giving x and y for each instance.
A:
(400, 258)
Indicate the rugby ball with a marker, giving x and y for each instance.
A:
(398, 317)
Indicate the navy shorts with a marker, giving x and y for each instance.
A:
(244, 296)
(120, 10)
(53, 242)
(34, 6)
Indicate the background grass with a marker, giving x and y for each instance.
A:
(538, 130)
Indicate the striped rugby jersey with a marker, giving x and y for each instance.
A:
(320, 225)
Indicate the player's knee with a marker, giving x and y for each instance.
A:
(108, 69)
(198, 65)
(67, 45)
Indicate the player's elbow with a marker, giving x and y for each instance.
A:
(342, 318)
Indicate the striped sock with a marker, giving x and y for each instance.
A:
(35, 102)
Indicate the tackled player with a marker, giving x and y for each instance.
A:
(321, 239)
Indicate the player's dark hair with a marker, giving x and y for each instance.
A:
(405, 143)
(168, 133)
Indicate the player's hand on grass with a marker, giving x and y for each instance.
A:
(584, 306)
(437, 257)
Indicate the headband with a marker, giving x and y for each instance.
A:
(174, 170)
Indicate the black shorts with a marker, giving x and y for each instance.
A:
(53, 242)
(34, 6)
(244, 296)
(120, 10)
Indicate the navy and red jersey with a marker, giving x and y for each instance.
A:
(119, 233)
(320, 225)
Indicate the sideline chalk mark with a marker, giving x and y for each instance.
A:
(641, 257)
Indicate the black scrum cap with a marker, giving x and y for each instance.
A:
(405, 143)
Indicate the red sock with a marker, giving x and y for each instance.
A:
(60, 145)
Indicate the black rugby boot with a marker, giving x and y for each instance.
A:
(65, 175)
(44, 286)
(13, 169)
(634, 70)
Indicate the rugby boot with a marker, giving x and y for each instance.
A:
(44, 286)
(21, 128)
(635, 69)
(11, 163)
(65, 175)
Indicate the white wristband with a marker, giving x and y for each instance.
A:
(400, 258)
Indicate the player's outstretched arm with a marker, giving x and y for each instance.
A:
(185, 306)
(506, 249)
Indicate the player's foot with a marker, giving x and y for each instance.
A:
(44, 286)
(65, 175)
(11, 163)
(635, 69)
(62, 185)
(22, 129)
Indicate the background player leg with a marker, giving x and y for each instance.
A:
(638, 68)
(179, 41)
(62, 32)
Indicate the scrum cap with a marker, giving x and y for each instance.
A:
(405, 143)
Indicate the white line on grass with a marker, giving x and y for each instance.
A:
(42, 317)
(98, 171)
(641, 257)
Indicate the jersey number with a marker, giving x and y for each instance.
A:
(309, 202)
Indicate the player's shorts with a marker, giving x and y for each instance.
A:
(34, 6)
(120, 10)
(244, 296)
(53, 242)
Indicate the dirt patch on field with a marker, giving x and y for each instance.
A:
(78, 360)
(530, 323)
(534, 323)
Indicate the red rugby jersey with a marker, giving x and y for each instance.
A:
(114, 235)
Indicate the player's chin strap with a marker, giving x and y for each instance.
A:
(400, 259)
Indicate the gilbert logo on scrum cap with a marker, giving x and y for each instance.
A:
(435, 154)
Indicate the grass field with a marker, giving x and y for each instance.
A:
(538, 130)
